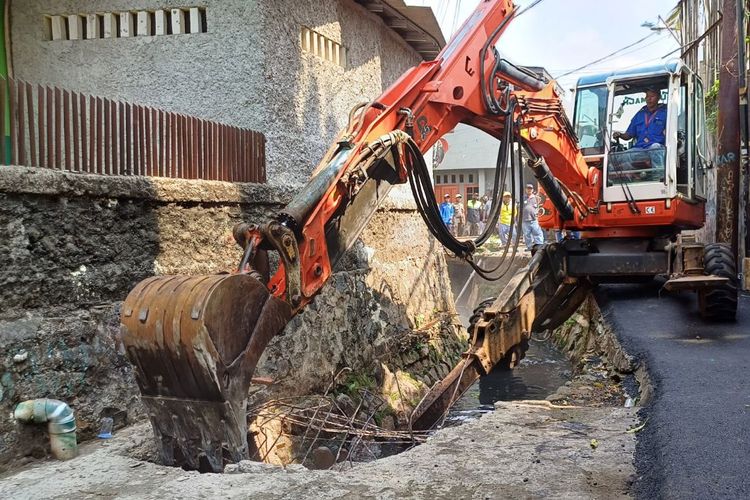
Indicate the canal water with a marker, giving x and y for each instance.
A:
(540, 373)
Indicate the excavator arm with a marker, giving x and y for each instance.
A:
(195, 341)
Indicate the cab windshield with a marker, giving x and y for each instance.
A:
(641, 157)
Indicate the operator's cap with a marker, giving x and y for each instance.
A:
(447, 196)
(459, 195)
(506, 194)
(530, 186)
(653, 88)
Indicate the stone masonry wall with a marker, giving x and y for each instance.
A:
(72, 246)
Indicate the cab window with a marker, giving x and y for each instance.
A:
(590, 119)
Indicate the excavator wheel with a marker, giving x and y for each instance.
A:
(719, 303)
(194, 342)
(514, 356)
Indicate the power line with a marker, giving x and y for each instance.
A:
(608, 55)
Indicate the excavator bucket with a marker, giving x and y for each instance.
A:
(194, 342)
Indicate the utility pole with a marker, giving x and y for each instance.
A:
(728, 157)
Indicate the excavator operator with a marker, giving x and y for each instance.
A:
(648, 124)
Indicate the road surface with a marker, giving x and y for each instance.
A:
(696, 442)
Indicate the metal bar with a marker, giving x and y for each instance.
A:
(136, 140)
(58, 128)
(162, 142)
(100, 130)
(142, 141)
(66, 129)
(196, 148)
(129, 167)
(3, 94)
(112, 138)
(184, 165)
(50, 121)
(13, 122)
(147, 112)
(40, 124)
(21, 119)
(92, 135)
(154, 153)
(122, 164)
(84, 136)
(107, 167)
(173, 169)
(32, 129)
(76, 132)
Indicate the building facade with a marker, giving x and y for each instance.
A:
(292, 70)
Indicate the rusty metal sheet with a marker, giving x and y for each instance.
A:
(30, 121)
(3, 94)
(20, 119)
(147, 131)
(12, 113)
(58, 128)
(66, 149)
(49, 126)
(84, 167)
(76, 151)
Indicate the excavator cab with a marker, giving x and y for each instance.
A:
(607, 103)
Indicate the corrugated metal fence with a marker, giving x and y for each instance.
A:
(54, 128)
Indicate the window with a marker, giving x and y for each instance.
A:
(461, 178)
(453, 178)
(322, 46)
(591, 119)
(174, 21)
(437, 179)
(471, 178)
(629, 164)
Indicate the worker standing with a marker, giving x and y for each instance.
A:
(507, 218)
(459, 216)
(474, 214)
(532, 233)
(447, 211)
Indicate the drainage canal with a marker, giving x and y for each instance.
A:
(540, 374)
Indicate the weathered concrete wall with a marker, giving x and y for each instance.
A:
(72, 246)
(247, 70)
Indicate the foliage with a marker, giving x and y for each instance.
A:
(712, 107)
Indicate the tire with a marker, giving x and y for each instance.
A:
(719, 303)
(514, 355)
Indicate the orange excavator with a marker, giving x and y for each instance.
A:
(195, 341)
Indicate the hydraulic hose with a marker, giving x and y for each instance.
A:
(61, 424)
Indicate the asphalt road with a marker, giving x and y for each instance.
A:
(696, 442)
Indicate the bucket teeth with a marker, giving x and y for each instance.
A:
(194, 342)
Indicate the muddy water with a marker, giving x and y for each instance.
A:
(541, 373)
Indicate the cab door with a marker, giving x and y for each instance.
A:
(701, 162)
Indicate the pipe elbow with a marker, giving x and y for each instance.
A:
(61, 423)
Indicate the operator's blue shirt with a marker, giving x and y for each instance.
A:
(648, 128)
(446, 212)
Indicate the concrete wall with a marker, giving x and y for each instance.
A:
(247, 70)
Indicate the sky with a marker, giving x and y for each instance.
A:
(562, 35)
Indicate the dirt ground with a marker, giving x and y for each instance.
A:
(521, 450)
